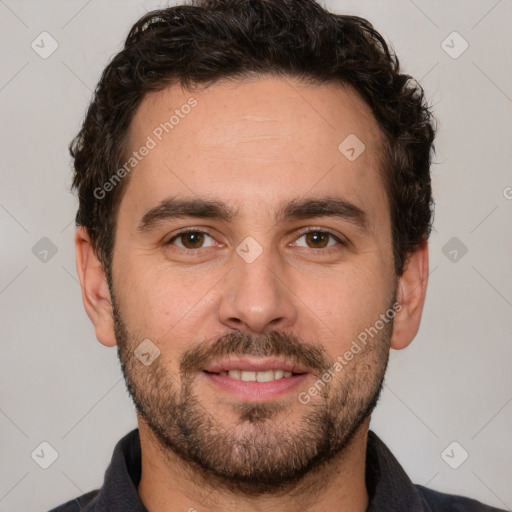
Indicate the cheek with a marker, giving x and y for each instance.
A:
(162, 302)
(352, 302)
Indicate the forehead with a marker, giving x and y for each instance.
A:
(252, 142)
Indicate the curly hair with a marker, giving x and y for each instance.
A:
(209, 40)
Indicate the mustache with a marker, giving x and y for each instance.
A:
(272, 343)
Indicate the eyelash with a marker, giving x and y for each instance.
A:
(309, 230)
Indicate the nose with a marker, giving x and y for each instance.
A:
(256, 296)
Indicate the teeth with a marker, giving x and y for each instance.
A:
(248, 376)
(264, 376)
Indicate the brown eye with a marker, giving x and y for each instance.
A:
(318, 239)
(190, 239)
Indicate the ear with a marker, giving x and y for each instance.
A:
(95, 292)
(412, 288)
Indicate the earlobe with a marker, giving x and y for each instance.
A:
(95, 292)
(412, 288)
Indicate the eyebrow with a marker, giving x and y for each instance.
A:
(176, 208)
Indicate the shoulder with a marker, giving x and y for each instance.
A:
(84, 503)
(441, 502)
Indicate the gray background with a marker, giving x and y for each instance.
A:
(454, 383)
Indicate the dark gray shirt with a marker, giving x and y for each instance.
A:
(389, 488)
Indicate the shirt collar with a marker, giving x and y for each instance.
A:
(389, 487)
(119, 490)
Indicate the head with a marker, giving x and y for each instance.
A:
(254, 193)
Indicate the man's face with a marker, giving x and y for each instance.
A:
(254, 295)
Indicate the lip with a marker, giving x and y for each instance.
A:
(256, 391)
(255, 364)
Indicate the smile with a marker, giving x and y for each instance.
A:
(261, 376)
(255, 378)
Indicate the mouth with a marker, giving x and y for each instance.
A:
(255, 379)
(260, 376)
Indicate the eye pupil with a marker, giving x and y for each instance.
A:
(194, 237)
(316, 236)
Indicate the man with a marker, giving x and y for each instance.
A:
(255, 205)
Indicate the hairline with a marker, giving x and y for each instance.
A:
(382, 145)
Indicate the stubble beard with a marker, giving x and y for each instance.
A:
(262, 452)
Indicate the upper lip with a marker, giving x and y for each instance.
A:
(255, 364)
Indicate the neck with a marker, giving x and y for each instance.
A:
(168, 483)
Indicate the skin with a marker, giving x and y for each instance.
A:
(255, 145)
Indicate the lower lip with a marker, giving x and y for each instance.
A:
(257, 391)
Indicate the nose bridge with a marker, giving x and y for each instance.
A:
(255, 294)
